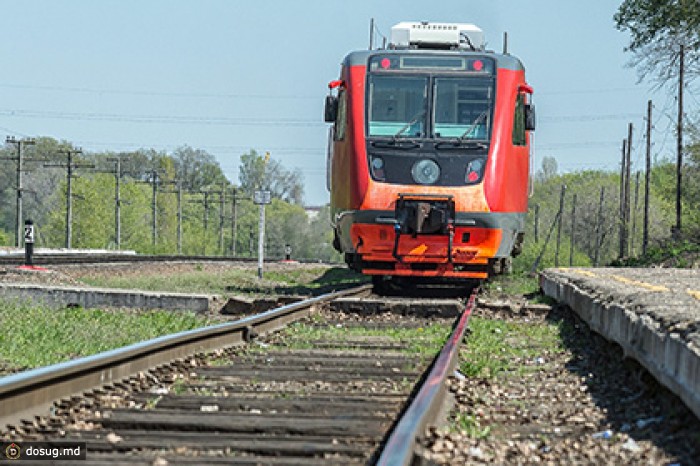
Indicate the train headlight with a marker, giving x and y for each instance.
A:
(425, 171)
(377, 166)
(474, 170)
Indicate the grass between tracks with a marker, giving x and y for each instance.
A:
(34, 336)
(422, 341)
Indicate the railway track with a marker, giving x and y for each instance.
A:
(87, 258)
(277, 400)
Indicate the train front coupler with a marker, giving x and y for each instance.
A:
(424, 214)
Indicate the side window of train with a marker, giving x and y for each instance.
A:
(341, 121)
(519, 138)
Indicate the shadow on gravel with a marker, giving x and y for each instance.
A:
(414, 288)
(632, 399)
(334, 279)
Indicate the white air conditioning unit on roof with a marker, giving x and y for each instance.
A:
(437, 35)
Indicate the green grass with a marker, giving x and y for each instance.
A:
(421, 341)
(682, 254)
(34, 336)
(300, 280)
(497, 347)
(471, 425)
(513, 284)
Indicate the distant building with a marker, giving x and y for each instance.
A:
(312, 211)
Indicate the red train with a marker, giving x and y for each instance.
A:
(429, 155)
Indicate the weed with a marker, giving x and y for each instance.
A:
(496, 346)
(178, 387)
(469, 424)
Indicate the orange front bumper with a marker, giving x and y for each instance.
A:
(425, 255)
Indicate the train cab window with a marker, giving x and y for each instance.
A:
(397, 106)
(341, 121)
(463, 108)
(519, 138)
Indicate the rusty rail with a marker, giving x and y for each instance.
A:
(424, 409)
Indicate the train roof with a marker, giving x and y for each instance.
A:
(503, 61)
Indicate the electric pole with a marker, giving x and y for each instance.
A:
(178, 191)
(179, 217)
(154, 208)
(647, 182)
(234, 213)
(153, 179)
(222, 217)
(20, 143)
(560, 220)
(117, 199)
(623, 164)
(234, 219)
(573, 231)
(205, 201)
(599, 228)
(628, 163)
(70, 166)
(679, 147)
(634, 212)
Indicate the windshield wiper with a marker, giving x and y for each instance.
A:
(462, 141)
(410, 123)
(396, 143)
(461, 144)
(473, 126)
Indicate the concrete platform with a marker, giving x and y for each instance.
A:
(653, 314)
(62, 296)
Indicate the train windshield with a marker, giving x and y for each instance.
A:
(398, 106)
(463, 107)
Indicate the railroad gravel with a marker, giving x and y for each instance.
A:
(584, 404)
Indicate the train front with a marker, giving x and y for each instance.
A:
(429, 155)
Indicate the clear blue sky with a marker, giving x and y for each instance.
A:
(228, 76)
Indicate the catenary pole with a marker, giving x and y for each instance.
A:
(647, 182)
(70, 166)
(20, 143)
(560, 216)
(622, 199)
(679, 146)
(599, 228)
(628, 190)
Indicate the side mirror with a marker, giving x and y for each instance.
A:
(331, 110)
(529, 117)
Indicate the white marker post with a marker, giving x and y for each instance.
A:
(261, 198)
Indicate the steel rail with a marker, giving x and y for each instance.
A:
(26, 394)
(423, 410)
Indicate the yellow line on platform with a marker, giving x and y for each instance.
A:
(694, 294)
(578, 271)
(648, 286)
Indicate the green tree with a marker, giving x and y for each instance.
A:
(548, 170)
(5, 239)
(260, 172)
(657, 29)
(197, 168)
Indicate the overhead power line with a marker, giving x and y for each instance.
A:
(208, 95)
(174, 119)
